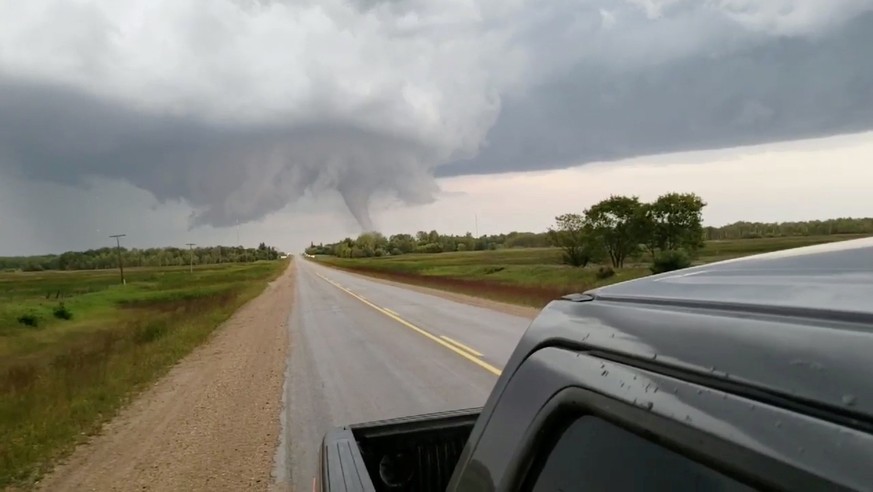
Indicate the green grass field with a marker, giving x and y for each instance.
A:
(534, 276)
(62, 378)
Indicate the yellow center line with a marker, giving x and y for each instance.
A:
(484, 365)
(462, 346)
(391, 311)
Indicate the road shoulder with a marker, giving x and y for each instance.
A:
(212, 423)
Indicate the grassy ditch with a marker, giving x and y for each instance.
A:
(75, 346)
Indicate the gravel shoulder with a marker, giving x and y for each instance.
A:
(212, 423)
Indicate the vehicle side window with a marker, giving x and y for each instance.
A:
(593, 454)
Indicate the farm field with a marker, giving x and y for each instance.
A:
(76, 345)
(534, 276)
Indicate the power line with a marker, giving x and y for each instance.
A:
(118, 250)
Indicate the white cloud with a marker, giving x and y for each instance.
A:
(428, 73)
(791, 17)
(607, 19)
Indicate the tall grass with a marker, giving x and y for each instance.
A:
(61, 380)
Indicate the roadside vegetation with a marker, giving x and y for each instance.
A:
(617, 239)
(75, 346)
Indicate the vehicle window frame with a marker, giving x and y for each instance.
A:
(741, 464)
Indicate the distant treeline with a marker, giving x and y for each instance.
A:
(95, 259)
(376, 244)
(753, 230)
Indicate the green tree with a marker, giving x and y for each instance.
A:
(675, 221)
(569, 233)
(616, 224)
(368, 242)
(401, 243)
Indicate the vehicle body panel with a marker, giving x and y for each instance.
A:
(839, 455)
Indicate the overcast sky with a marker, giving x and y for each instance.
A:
(173, 121)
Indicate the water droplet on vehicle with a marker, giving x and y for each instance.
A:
(622, 384)
(604, 373)
(699, 392)
(778, 424)
(635, 378)
(688, 418)
(675, 391)
(712, 369)
(849, 400)
(612, 335)
(648, 405)
(656, 390)
(654, 356)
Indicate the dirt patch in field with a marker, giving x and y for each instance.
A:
(211, 424)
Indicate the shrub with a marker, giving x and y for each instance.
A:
(32, 267)
(576, 257)
(28, 320)
(604, 272)
(429, 248)
(667, 261)
(61, 312)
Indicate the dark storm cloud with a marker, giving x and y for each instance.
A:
(788, 88)
(229, 173)
(239, 108)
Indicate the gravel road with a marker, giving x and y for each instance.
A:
(211, 424)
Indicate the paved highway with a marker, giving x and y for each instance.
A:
(364, 350)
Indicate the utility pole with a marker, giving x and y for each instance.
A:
(245, 254)
(191, 249)
(118, 250)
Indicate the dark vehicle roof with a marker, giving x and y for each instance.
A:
(834, 278)
(793, 326)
